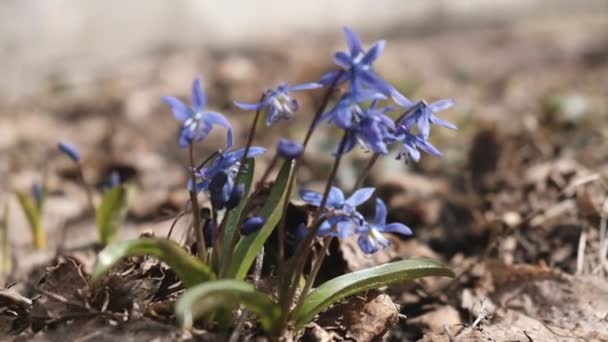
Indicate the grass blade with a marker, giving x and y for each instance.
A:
(111, 212)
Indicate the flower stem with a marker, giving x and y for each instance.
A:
(365, 173)
(196, 211)
(302, 251)
(313, 274)
(237, 179)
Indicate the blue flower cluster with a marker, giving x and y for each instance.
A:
(361, 112)
(344, 219)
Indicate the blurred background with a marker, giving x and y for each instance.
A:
(529, 78)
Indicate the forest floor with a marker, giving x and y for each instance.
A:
(517, 206)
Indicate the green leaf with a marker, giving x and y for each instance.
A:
(33, 216)
(111, 212)
(235, 214)
(248, 246)
(226, 294)
(189, 269)
(349, 284)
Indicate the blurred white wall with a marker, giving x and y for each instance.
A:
(37, 36)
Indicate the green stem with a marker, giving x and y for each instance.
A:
(312, 276)
(303, 250)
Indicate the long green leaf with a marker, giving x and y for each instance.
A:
(235, 214)
(226, 294)
(248, 246)
(188, 268)
(346, 285)
(111, 212)
(33, 215)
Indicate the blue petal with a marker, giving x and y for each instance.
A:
(380, 218)
(198, 97)
(249, 106)
(443, 123)
(424, 126)
(330, 78)
(217, 119)
(412, 152)
(335, 198)
(180, 111)
(311, 197)
(359, 196)
(441, 105)
(271, 117)
(342, 59)
(305, 86)
(400, 99)
(398, 228)
(353, 41)
(427, 147)
(367, 245)
(376, 82)
(255, 151)
(374, 52)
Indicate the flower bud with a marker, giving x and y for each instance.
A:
(235, 196)
(70, 150)
(289, 149)
(252, 224)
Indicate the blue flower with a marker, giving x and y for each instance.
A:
(196, 121)
(289, 149)
(356, 66)
(370, 234)
(423, 115)
(227, 162)
(369, 127)
(411, 143)
(70, 150)
(277, 102)
(343, 212)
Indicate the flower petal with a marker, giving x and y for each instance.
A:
(435, 120)
(359, 196)
(248, 106)
(199, 100)
(311, 197)
(353, 41)
(398, 228)
(374, 52)
(441, 105)
(367, 245)
(335, 198)
(343, 59)
(217, 119)
(181, 112)
(305, 86)
(380, 218)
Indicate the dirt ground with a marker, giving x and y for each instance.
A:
(517, 206)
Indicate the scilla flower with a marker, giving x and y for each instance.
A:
(289, 149)
(423, 115)
(277, 102)
(343, 212)
(370, 234)
(69, 150)
(196, 121)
